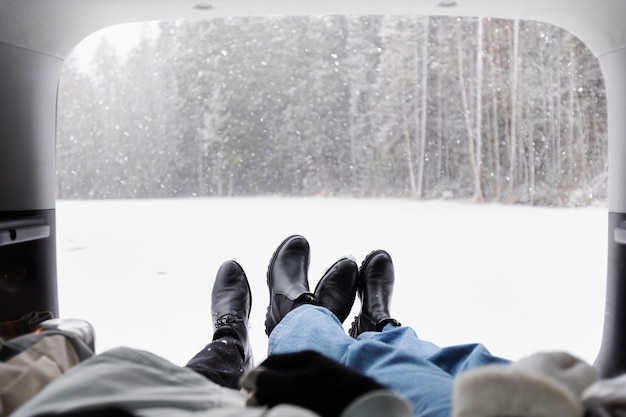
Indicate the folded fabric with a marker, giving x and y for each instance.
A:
(302, 378)
(545, 384)
(606, 398)
(30, 362)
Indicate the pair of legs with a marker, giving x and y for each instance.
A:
(395, 357)
(298, 319)
(376, 344)
(229, 355)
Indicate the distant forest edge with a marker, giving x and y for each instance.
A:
(367, 106)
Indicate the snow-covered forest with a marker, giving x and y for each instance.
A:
(426, 107)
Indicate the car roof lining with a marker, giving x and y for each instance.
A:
(55, 27)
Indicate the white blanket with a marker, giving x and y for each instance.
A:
(546, 384)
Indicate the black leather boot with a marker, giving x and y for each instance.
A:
(337, 289)
(375, 289)
(287, 279)
(231, 301)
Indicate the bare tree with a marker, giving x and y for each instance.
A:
(514, 105)
(474, 162)
(421, 155)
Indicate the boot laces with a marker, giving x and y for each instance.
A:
(227, 320)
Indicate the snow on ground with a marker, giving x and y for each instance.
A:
(519, 279)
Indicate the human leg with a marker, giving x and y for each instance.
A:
(229, 355)
(310, 327)
(381, 348)
(220, 361)
(395, 356)
(428, 372)
(459, 358)
(388, 357)
(451, 359)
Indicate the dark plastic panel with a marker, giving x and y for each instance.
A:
(28, 267)
(611, 359)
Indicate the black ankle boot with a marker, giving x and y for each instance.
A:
(287, 279)
(337, 289)
(375, 289)
(230, 309)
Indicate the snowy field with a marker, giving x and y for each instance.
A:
(518, 279)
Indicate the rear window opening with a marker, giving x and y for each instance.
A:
(473, 150)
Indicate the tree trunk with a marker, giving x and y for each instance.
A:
(423, 113)
(513, 127)
(479, 97)
(478, 196)
(406, 131)
(495, 131)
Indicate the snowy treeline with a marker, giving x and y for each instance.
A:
(488, 109)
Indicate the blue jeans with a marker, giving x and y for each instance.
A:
(416, 369)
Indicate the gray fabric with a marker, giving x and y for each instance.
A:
(563, 367)
(606, 398)
(12, 347)
(378, 404)
(28, 372)
(545, 384)
(145, 385)
(28, 363)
